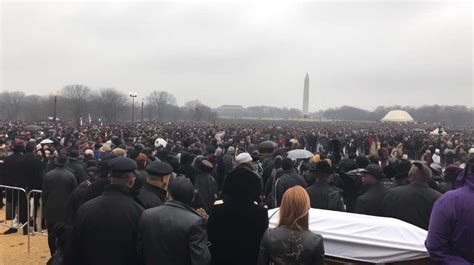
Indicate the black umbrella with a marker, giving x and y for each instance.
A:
(33, 128)
(267, 146)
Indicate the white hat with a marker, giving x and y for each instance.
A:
(471, 151)
(437, 151)
(243, 158)
(405, 157)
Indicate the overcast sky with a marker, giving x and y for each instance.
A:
(357, 53)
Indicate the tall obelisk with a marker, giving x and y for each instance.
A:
(306, 95)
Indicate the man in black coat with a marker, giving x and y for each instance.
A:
(321, 194)
(236, 227)
(153, 192)
(174, 233)
(370, 202)
(412, 203)
(76, 166)
(289, 178)
(105, 228)
(13, 170)
(58, 184)
(77, 196)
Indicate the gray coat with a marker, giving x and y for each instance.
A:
(172, 234)
(58, 185)
(282, 246)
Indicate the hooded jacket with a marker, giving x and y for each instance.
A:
(451, 231)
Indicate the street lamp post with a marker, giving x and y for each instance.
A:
(55, 94)
(133, 95)
(142, 110)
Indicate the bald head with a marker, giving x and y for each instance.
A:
(419, 172)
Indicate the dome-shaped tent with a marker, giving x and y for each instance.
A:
(398, 116)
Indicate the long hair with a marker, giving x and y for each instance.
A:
(294, 209)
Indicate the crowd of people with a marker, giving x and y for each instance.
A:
(198, 193)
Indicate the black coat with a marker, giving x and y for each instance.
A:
(105, 230)
(12, 169)
(286, 246)
(58, 184)
(32, 170)
(78, 169)
(75, 201)
(206, 191)
(411, 203)
(370, 202)
(172, 234)
(289, 178)
(151, 196)
(323, 196)
(235, 232)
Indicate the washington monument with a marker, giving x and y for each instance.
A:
(306, 95)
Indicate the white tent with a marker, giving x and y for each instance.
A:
(398, 116)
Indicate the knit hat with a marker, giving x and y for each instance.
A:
(243, 158)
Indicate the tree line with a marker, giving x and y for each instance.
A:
(79, 102)
(449, 115)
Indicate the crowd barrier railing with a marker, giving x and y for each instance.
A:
(36, 221)
(15, 198)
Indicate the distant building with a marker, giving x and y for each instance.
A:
(230, 111)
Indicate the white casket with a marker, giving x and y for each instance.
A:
(364, 238)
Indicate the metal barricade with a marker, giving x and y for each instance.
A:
(16, 198)
(36, 220)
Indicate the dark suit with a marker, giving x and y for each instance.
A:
(370, 202)
(235, 232)
(172, 234)
(105, 230)
(58, 184)
(323, 196)
(78, 169)
(150, 196)
(411, 203)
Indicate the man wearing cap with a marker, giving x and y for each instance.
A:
(412, 203)
(321, 194)
(105, 227)
(174, 233)
(153, 192)
(76, 166)
(370, 203)
(58, 184)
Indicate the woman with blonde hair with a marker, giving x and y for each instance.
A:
(292, 242)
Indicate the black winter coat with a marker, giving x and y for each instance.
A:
(33, 171)
(172, 234)
(78, 169)
(235, 232)
(323, 196)
(286, 246)
(370, 202)
(151, 196)
(58, 184)
(205, 188)
(411, 203)
(289, 178)
(105, 230)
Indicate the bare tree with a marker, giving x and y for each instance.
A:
(198, 111)
(160, 100)
(111, 103)
(78, 96)
(11, 103)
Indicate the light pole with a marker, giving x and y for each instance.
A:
(55, 94)
(133, 95)
(142, 110)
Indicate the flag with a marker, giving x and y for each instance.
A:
(80, 121)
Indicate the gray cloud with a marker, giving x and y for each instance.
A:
(357, 53)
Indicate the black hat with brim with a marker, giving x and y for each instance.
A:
(322, 167)
(159, 169)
